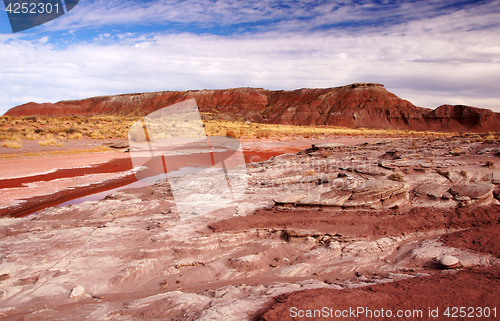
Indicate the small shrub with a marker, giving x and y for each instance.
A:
(490, 164)
(263, 134)
(309, 173)
(397, 177)
(31, 118)
(71, 130)
(488, 138)
(98, 135)
(47, 142)
(12, 144)
(231, 133)
(31, 136)
(456, 151)
(75, 136)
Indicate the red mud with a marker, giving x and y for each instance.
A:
(368, 224)
(113, 166)
(38, 203)
(116, 165)
(474, 288)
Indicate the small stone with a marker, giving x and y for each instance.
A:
(455, 177)
(495, 178)
(447, 196)
(386, 165)
(371, 170)
(432, 189)
(449, 261)
(289, 198)
(393, 153)
(327, 146)
(474, 191)
(369, 193)
(77, 292)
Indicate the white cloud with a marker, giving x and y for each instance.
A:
(43, 40)
(280, 15)
(430, 61)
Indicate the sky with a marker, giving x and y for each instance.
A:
(428, 52)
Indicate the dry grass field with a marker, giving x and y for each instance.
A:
(254, 130)
(57, 131)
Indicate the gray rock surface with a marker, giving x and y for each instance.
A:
(129, 257)
(449, 261)
(474, 191)
(431, 189)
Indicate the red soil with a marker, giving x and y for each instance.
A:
(368, 224)
(472, 289)
(481, 239)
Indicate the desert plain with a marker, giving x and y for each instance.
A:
(335, 223)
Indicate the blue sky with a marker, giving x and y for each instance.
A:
(429, 52)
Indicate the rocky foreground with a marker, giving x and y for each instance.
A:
(369, 224)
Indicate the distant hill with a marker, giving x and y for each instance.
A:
(356, 105)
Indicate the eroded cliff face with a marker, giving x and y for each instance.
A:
(356, 105)
(453, 117)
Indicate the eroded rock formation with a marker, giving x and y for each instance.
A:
(355, 105)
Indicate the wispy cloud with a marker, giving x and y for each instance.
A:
(428, 52)
(260, 15)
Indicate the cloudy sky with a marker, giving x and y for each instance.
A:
(429, 52)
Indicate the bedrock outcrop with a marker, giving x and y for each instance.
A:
(355, 105)
(347, 226)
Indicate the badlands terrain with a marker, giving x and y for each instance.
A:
(334, 222)
(337, 225)
(367, 105)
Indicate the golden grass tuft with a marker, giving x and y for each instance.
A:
(231, 133)
(50, 141)
(456, 151)
(263, 134)
(397, 177)
(12, 144)
(75, 136)
(31, 136)
(47, 142)
(309, 173)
